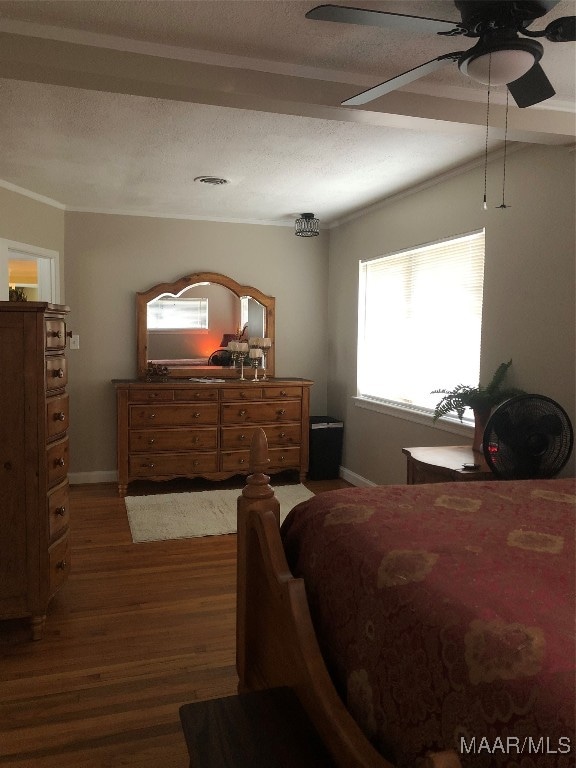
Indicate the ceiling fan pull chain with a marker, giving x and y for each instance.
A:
(505, 146)
(485, 206)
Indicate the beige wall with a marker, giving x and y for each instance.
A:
(528, 304)
(31, 222)
(109, 258)
(528, 295)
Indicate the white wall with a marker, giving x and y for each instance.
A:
(529, 293)
(110, 258)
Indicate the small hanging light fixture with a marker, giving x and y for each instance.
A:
(307, 226)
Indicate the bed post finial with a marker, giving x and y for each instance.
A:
(257, 494)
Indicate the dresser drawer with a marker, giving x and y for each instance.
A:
(242, 393)
(55, 334)
(57, 461)
(196, 394)
(151, 395)
(59, 558)
(239, 413)
(278, 458)
(56, 416)
(56, 372)
(173, 415)
(58, 510)
(275, 393)
(173, 439)
(172, 464)
(277, 435)
(281, 458)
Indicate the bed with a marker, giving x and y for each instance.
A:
(418, 625)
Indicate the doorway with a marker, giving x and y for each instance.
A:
(30, 272)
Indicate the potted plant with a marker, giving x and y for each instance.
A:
(480, 399)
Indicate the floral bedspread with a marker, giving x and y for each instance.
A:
(446, 615)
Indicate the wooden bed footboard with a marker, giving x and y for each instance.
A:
(275, 640)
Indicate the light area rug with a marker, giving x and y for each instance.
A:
(190, 515)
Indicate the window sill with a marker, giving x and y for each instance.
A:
(416, 415)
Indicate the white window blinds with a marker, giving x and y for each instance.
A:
(420, 318)
(175, 313)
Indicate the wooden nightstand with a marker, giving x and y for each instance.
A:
(444, 464)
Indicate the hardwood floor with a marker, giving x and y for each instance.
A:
(138, 630)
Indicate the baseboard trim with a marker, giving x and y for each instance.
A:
(354, 479)
(81, 478)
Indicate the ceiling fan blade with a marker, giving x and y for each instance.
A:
(346, 15)
(400, 80)
(531, 88)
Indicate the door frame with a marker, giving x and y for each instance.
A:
(48, 262)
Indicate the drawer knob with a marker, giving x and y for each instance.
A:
(60, 416)
(195, 463)
(150, 465)
(243, 413)
(152, 416)
(241, 461)
(282, 434)
(60, 511)
(56, 334)
(242, 437)
(197, 415)
(281, 411)
(59, 462)
(62, 565)
(195, 439)
(283, 392)
(150, 440)
(152, 395)
(243, 394)
(58, 373)
(282, 458)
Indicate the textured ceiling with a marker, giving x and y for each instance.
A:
(118, 106)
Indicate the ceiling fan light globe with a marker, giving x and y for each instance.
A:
(504, 67)
(500, 62)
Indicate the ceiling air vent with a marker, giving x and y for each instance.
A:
(211, 180)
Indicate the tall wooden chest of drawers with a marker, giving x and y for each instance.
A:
(194, 429)
(34, 509)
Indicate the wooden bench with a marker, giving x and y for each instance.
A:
(260, 729)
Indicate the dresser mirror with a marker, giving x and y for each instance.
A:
(182, 327)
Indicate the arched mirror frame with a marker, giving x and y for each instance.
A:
(143, 297)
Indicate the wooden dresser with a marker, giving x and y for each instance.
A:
(34, 509)
(193, 429)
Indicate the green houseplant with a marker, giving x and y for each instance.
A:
(480, 399)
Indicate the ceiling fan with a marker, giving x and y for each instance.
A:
(499, 57)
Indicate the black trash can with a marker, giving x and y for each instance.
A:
(326, 436)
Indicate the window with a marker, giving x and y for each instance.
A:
(419, 321)
(176, 313)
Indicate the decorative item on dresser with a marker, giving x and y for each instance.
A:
(204, 428)
(34, 510)
(481, 400)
